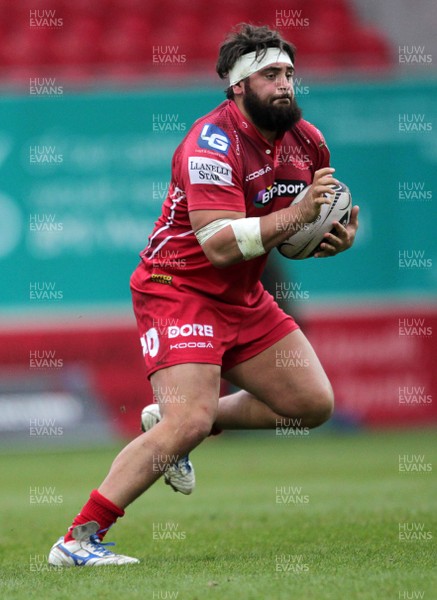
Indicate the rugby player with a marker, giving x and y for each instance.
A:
(206, 314)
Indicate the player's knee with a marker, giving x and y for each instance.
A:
(312, 407)
(193, 427)
(324, 406)
(199, 428)
(319, 406)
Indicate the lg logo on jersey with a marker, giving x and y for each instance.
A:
(214, 138)
(282, 188)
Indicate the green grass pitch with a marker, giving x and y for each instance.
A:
(323, 516)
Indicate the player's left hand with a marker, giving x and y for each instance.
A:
(342, 239)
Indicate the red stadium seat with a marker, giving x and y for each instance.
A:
(118, 36)
(77, 43)
(25, 47)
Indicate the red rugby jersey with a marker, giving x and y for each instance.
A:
(224, 163)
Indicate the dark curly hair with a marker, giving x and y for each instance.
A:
(249, 38)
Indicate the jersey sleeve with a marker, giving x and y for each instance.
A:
(324, 156)
(210, 170)
(317, 146)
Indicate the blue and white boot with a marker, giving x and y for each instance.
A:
(86, 550)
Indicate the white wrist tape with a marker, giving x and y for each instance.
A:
(211, 229)
(248, 63)
(248, 235)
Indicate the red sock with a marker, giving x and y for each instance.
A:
(100, 509)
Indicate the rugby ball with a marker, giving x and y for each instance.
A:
(305, 242)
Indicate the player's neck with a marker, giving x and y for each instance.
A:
(269, 135)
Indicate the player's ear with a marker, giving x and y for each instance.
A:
(238, 88)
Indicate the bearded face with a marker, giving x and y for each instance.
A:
(278, 113)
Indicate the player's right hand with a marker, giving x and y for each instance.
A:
(314, 198)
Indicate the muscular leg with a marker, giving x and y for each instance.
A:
(182, 427)
(286, 380)
(243, 410)
(296, 387)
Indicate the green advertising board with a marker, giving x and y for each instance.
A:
(83, 177)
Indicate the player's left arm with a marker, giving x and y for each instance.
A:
(341, 239)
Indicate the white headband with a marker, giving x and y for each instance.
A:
(248, 63)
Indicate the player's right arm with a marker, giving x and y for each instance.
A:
(245, 238)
